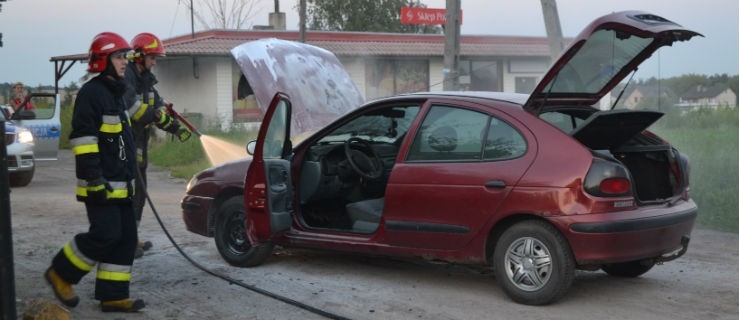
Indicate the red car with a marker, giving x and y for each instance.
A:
(535, 185)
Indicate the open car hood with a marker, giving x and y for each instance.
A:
(319, 87)
(602, 55)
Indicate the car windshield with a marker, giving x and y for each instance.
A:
(386, 125)
(604, 54)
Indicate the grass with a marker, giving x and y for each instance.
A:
(714, 174)
(184, 159)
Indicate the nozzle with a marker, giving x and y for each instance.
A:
(197, 133)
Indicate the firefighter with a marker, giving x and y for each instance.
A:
(146, 108)
(102, 143)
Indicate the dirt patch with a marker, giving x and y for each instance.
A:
(703, 284)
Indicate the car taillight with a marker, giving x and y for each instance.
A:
(615, 186)
(607, 179)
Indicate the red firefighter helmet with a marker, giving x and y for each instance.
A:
(102, 46)
(147, 44)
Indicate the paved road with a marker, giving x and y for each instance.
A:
(701, 285)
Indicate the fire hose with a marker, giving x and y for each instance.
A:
(230, 280)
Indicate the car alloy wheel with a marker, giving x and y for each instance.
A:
(528, 264)
(533, 262)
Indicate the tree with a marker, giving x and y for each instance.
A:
(363, 15)
(733, 83)
(70, 91)
(222, 14)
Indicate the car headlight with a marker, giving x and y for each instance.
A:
(191, 183)
(25, 136)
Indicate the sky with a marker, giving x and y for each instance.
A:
(36, 30)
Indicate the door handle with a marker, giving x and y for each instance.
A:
(498, 184)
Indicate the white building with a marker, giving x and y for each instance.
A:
(200, 77)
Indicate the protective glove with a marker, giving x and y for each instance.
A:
(163, 120)
(183, 133)
(97, 189)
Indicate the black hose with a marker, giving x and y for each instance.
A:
(230, 280)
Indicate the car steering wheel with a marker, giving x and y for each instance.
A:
(363, 159)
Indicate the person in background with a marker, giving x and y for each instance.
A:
(146, 108)
(19, 98)
(102, 143)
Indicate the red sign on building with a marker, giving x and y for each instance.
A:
(410, 15)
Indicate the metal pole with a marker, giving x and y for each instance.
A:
(451, 46)
(192, 19)
(302, 20)
(7, 277)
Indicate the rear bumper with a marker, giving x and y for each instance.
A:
(661, 233)
(637, 224)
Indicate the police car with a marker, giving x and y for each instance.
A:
(31, 135)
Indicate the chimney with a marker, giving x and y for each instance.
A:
(277, 18)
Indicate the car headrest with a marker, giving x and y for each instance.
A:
(443, 139)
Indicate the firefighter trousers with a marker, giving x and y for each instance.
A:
(109, 244)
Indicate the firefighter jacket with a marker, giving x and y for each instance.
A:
(146, 107)
(102, 140)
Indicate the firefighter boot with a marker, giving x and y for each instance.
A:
(144, 245)
(62, 289)
(123, 305)
(140, 248)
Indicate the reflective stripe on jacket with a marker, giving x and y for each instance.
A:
(102, 139)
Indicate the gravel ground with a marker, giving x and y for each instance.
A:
(703, 284)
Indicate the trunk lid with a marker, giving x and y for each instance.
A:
(602, 55)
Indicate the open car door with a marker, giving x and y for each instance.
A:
(268, 189)
(44, 124)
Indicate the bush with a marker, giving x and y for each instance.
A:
(188, 158)
(709, 138)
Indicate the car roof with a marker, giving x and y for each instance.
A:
(515, 98)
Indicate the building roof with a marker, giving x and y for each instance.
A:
(220, 43)
(702, 92)
(653, 90)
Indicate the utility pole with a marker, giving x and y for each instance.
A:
(451, 45)
(7, 275)
(302, 21)
(1, 34)
(192, 20)
(554, 29)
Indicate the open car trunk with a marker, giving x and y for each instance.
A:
(621, 136)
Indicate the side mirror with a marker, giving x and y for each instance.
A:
(250, 147)
(24, 115)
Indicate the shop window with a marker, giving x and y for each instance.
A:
(388, 77)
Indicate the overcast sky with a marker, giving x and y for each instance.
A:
(35, 30)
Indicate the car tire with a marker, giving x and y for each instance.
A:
(231, 239)
(21, 179)
(533, 263)
(631, 269)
